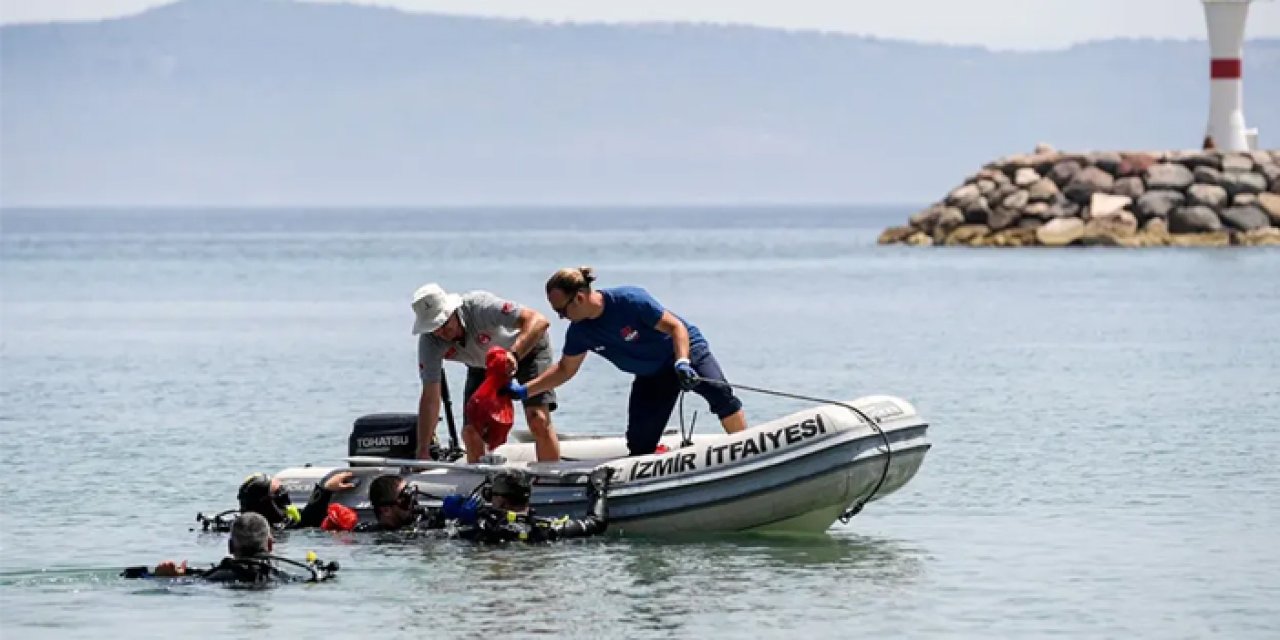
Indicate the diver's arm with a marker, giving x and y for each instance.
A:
(597, 519)
(317, 508)
(318, 504)
(558, 374)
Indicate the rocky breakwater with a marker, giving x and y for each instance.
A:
(1135, 199)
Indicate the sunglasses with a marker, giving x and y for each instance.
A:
(564, 308)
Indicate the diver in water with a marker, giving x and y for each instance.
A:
(508, 518)
(396, 508)
(500, 513)
(250, 562)
(263, 495)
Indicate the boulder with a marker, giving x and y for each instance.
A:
(967, 234)
(1194, 219)
(894, 235)
(1065, 209)
(1085, 183)
(977, 211)
(1102, 205)
(1207, 175)
(963, 196)
(948, 219)
(1207, 239)
(1153, 234)
(1060, 232)
(1109, 230)
(1062, 172)
(1268, 236)
(1038, 210)
(1237, 162)
(1243, 182)
(986, 185)
(1131, 186)
(1015, 237)
(1269, 171)
(1108, 161)
(1270, 204)
(1245, 218)
(1027, 222)
(1167, 175)
(919, 239)
(1025, 177)
(1003, 217)
(1134, 164)
(1209, 195)
(1159, 203)
(1043, 190)
(1016, 200)
(1044, 148)
(1243, 199)
(1194, 159)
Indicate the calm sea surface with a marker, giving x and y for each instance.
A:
(1106, 424)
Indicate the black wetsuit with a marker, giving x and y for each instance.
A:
(258, 570)
(496, 526)
(312, 515)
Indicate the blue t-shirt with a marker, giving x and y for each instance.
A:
(625, 335)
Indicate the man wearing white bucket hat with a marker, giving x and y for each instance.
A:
(463, 328)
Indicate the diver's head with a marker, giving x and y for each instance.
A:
(394, 501)
(263, 495)
(250, 536)
(510, 490)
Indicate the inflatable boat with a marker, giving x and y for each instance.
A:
(798, 473)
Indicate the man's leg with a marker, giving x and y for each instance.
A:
(474, 444)
(719, 397)
(471, 438)
(547, 445)
(652, 400)
(537, 410)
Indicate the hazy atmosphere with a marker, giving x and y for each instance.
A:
(992, 23)
(270, 102)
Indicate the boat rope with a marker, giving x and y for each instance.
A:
(849, 513)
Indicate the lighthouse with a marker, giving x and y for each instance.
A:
(1226, 20)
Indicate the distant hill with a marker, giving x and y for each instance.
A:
(271, 102)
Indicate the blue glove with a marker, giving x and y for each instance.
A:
(688, 377)
(461, 508)
(516, 390)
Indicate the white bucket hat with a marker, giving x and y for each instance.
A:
(432, 307)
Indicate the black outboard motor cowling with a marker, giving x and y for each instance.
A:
(390, 435)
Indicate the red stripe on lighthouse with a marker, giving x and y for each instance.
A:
(1224, 69)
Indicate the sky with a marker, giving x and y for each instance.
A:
(997, 24)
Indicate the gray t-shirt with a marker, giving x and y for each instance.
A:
(487, 321)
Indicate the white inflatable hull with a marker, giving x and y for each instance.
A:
(798, 473)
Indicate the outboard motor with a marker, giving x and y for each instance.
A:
(389, 435)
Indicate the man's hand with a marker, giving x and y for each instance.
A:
(516, 390)
(688, 377)
(170, 569)
(512, 363)
(339, 482)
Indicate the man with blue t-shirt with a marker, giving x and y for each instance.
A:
(638, 335)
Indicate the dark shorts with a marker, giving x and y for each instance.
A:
(653, 398)
(530, 367)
